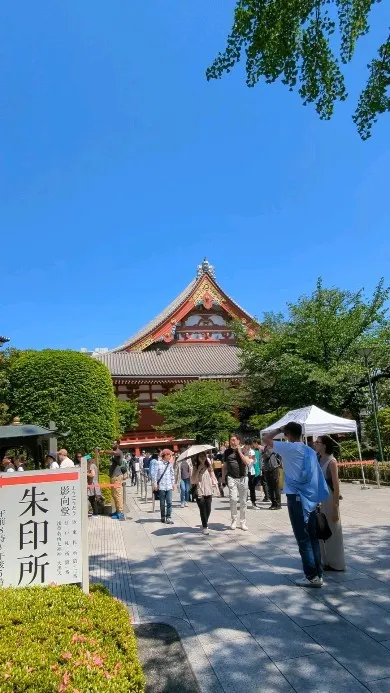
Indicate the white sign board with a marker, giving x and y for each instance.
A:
(41, 527)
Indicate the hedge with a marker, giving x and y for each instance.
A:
(72, 389)
(58, 639)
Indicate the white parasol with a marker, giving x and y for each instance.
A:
(194, 450)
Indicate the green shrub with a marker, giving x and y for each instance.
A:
(106, 492)
(67, 387)
(57, 639)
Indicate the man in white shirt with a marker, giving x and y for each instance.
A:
(64, 459)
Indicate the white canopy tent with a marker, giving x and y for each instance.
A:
(316, 422)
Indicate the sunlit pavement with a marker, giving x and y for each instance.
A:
(244, 625)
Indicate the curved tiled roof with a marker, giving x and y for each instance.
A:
(159, 318)
(181, 361)
(176, 303)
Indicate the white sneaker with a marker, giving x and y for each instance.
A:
(233, 524)
(206, 530)
(182, 505)
(305, 582)
(185, 505)
(243, 526)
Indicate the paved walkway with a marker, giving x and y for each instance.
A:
(245, 627)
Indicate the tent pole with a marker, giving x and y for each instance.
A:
(361, 461)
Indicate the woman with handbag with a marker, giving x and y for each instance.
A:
(93, 490)
(332, 550)
(205, 482)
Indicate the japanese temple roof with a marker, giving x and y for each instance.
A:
(201, 360)
(14, 431)
(203, 283)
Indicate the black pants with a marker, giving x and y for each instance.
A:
(204, 505)
(263, 482)
(133, 475)
(94, 504)
(252, 483)
(272, 480)
(220, 487)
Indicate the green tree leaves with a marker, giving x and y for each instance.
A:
(201, 410)
(295, 41)
(127, 415)
(312, 356)
(67, 387)
(375, 98)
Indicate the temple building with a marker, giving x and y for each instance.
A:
(192, 339)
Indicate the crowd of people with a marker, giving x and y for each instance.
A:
(310, 477)
(59, 460)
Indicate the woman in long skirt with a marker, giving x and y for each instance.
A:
(332, 550)
(204, 481)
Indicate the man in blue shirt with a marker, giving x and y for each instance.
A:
(305, 487)
(163, 478)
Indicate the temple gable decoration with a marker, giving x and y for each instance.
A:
(202, 313)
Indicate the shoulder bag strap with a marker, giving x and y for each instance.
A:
(158, 480)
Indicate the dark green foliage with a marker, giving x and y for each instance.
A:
(67, 387)
(127, 415)
(59, 639)
(201, 410)
(383, 416)
(375, 98)
(295, 40)
(261, 421)
(312, 355)
(4, 389)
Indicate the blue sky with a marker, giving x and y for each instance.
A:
(121, 168)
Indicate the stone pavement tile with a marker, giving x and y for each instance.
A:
(209, 684)
(243, 667)
(159, 606)
(217, 570)
(373, 590)
(244, 598)
(264, 578)
(345, 576)
(382, 686)
(215, 622)
(364, 658)
(279, 637)
(146, 584)
(192, 589)
(194, 652)
(319, 673)
(301, 607)
(362, 613)
(286, 565)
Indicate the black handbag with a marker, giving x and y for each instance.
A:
(323, 531)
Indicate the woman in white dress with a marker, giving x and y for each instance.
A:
(332, 550)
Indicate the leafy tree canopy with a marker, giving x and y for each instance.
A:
(127, 415)
(384, 426)
(67, 387)
(4, 389)
(201, 410)
(261, 421)
(295, 40)
(312, 355)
